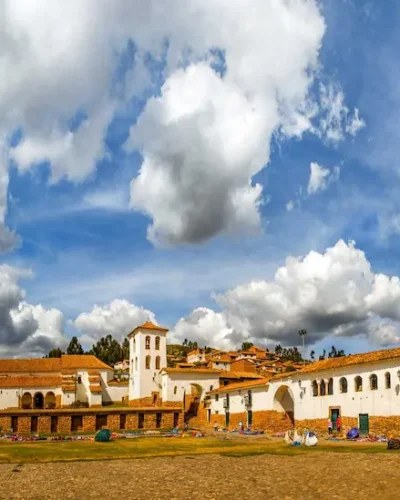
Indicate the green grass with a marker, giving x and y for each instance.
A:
(46, 451)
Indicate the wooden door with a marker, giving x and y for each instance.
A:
(363, 424)
(334, 416)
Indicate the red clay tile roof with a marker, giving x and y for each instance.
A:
(191, 370)
(95, 388)
(30, 365)
(239, 375)
(82, 361)
(240, 385)
(117, 383)
(354, 359)
(67, 364)
(29, 381)
(148, 326)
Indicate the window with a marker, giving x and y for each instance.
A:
(387, 380)
(136, 364)
(314, 388)
(343, 385)
(358, 384)
(322, 388)
(79, 380)
(148, 358)
(157, 343)
(330, 386)
(217, 397)
(158, 362)
(147, 342)
(211, 387)
(175, 389)
(373, 382)
(158, 420)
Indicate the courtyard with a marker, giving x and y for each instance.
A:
(208, 468)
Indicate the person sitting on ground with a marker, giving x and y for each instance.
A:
(338, 424)
(330, 425)
(240, 426)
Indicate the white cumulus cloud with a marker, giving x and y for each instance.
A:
(118, 318)
(321, 177)
(25, 328)
(331, 293)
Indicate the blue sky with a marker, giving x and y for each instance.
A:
(86, 241)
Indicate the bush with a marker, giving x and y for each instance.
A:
(79, 404)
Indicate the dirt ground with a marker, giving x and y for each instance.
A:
(314, 476)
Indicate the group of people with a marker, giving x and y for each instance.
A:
(330, 424)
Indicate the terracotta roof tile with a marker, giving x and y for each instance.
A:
(354, 359)
(82, 361)
(149, 326)
(239, 375)
(240, 385)
(191, 370)
(95, 388)
(30, 365)
(117, 383)
(29, 381)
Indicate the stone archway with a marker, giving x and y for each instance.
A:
(26, 401)
(50, 400)
(284, 402)
(38, 401)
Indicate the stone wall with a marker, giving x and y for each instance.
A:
(150, 419)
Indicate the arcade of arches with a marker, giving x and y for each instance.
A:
(38, 401)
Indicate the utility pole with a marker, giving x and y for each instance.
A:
(302, 334)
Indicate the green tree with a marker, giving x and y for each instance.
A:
(55, 353)
(74, 347)
(125, 349)
(312, 355)
(246, 346)
(108, 350)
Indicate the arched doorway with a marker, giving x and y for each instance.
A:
(50, 400)
(38, 401)
(26, 401)
(284, 402)
(192, 401)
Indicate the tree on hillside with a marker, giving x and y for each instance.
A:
(108, 350)
(334, 353)
(312, 355)
(74, 347)
(55, 353)
(125, 349)
(278, 350)
(323, 355)
(246, 346)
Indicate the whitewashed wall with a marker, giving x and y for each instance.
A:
(236, 400)
(380, 402)
(115, 393)
(183, 382)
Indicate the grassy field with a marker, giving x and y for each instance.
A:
(46, 451)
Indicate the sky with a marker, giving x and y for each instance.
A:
(227, 169)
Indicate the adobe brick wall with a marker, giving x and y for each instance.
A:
(64, 424)
(89, 423)
(44, 423)
(269, 420)
(5, 423)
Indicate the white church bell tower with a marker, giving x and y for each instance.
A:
(147, 355)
